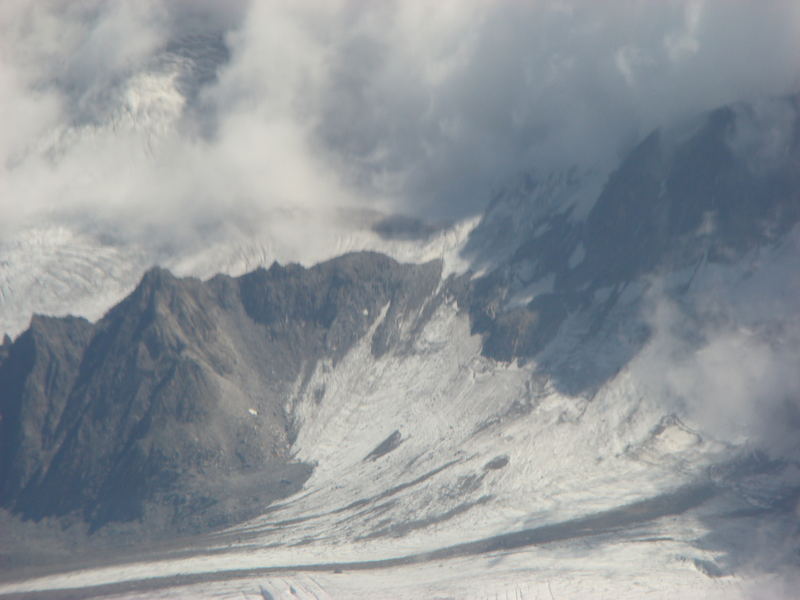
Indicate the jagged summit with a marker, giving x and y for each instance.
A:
(681, 199)
(175, 403)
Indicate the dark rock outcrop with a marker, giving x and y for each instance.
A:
(706, 193)
(386, 446)
(173, 409)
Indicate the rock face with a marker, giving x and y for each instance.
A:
(175, 408)
(707, 192)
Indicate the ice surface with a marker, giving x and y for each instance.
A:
(568, 458)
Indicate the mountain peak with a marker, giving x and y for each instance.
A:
(180, 390)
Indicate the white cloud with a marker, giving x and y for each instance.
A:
(168, 117)
(725, 356)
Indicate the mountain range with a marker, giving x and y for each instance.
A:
(365, 398)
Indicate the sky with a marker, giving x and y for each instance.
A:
(166, 120)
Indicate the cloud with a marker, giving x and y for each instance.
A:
(725, 355)
(168, 121)
(438, 106)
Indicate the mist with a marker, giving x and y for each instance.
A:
(173, 124)
(169, 122)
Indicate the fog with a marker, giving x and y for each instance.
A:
(169, 122)
(725, 356)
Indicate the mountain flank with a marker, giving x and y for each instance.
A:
(174, 409)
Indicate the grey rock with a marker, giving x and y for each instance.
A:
(171, 410)
(386, 446)
(498, 462)
(5, 347)
(681, 198)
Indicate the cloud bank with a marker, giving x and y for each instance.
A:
(171, 119)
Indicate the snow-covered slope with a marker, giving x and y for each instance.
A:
(639, 439)
(485, 449)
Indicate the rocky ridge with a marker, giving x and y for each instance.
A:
(173, 409)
